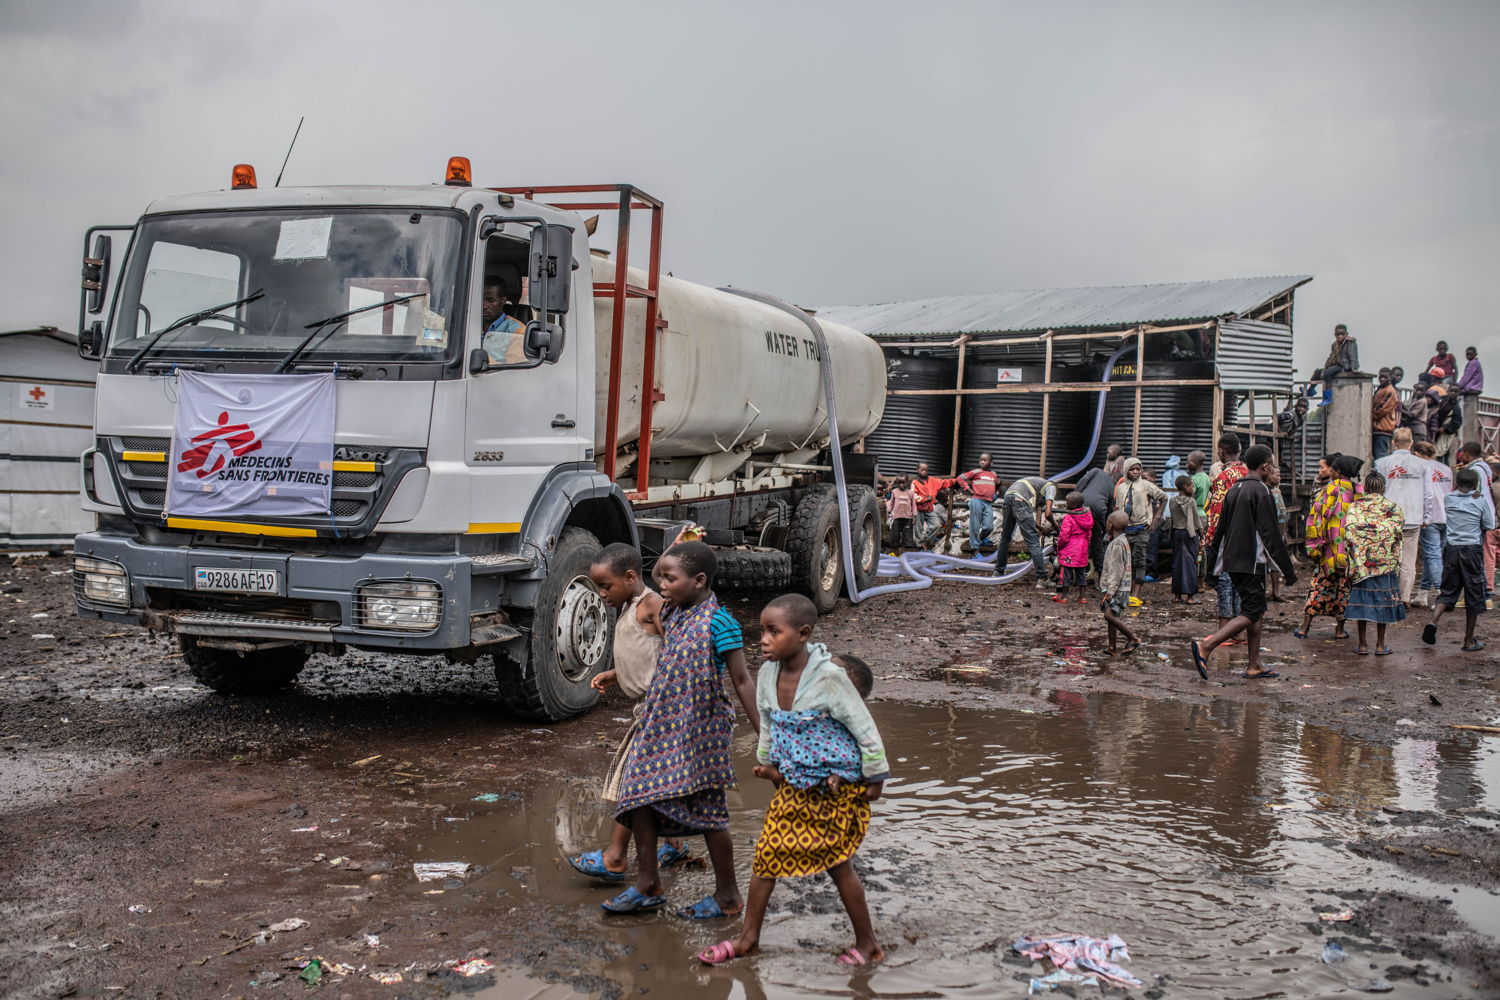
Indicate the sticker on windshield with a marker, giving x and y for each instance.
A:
(434, 330)
(304, 239)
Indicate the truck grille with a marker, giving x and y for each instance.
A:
(358, 494)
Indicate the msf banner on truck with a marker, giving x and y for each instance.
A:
(252, 445)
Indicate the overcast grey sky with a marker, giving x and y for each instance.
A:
(827, 153)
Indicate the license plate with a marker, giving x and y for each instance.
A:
(239, 581)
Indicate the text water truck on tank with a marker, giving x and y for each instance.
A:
(307, 439)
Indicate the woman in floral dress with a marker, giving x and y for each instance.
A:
(1372, 530)
(1326, 546)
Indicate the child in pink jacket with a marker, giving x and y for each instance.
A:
(1073, 548)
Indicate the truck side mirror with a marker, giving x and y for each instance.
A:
(551, 268)
(96, 274)
(479, 361)
(91, 341)
(544, 341)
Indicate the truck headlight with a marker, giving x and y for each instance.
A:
(99, 581)
(398, 605)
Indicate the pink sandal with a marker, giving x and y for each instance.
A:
(718, 954)
(852, 956)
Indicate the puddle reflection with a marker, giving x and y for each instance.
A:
(1198, 833)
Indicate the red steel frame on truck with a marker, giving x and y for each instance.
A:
(619, 290)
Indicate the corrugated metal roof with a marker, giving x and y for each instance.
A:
(1063, 308)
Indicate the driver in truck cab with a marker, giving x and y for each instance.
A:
(503, 334)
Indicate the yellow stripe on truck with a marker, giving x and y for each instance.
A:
(351, 466)
(144, 456)
(495, 528)
(240, 528)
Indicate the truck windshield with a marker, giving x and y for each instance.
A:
(309, 264)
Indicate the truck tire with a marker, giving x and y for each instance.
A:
(865, 520)
(228, 672)
(813, 542)
(751, 569)
(572, 632)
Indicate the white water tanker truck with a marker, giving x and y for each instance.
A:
(308, 437)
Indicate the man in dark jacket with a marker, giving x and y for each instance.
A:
(1097, 488)
(1247, 539)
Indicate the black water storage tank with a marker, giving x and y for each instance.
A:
(1174, 419)
(1009, 425)
(915, 428)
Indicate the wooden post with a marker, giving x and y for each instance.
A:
(1218, 422)
(1250, 422)
(1140, 375)
(958, 402)
(1046, 407)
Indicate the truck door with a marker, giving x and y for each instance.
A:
(523, 414)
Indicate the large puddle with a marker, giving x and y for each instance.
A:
(1206, 836)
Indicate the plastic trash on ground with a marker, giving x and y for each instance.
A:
(473, 967)
(289, 924)
(1337, 959)
(432, 871)
(1070, 952)
(312, 973)
(388, 978)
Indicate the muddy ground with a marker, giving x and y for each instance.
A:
(151, 832)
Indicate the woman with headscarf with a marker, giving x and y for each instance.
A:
(1372, 530)
(1329, 594)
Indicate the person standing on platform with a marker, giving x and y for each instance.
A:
(980, 483)
(1405, 476)
(1385, 412)
(1471, 383)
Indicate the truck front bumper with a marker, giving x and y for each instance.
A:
(321, 598)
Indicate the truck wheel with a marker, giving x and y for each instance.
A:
(865, 520)
(812, 540)
(228, 672)
(752, 568)
(572, 632)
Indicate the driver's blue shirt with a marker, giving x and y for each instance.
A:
(502, 341)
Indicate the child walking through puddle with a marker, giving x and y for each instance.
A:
(1114, 581)
(820, 745)
(617, 574)
(678, 769)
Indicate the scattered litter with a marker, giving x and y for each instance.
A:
(366, 760)
(306, 829)
(41, 614)
(1058, 977)
(1341, 915)
(1163, 656)
(1279, 806)
(1337, 959)
(139, 908)
(621, 718)
(372, 940)
(312, 973)
(455, 819)
(335, 862)
(289, 924)
(1100, 956)
(340, 969)
(433, 892)
(1393, 850)
(388, 978)
(473, 967)
(266, 978)
(44, 635)
(431, 871)
(487, 797)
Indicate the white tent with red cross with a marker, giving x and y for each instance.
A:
(46, 423)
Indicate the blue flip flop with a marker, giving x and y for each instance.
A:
(1263, 676)
(667, 855)
(633, 900)
(591, 863)
(708, 908)
(1198, 661)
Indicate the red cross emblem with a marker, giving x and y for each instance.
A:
(37, 392)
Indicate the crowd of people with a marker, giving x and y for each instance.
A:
(1411, 532)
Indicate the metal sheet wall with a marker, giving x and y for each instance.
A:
(915, 428)
(1174, 419)
(1009, 426)
(1255, 355)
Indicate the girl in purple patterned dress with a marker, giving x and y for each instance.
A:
(677, 771)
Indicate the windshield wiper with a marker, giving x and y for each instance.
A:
(188, 320)
(318, 325)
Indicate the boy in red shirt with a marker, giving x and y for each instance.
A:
(982, 485)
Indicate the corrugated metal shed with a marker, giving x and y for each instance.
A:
(1255, 355)
(1063, 308)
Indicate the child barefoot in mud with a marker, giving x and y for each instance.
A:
(617, 574)
(676, 772)
(820, 746)
(1114, 581)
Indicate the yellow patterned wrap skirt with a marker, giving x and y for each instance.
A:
(810, 831)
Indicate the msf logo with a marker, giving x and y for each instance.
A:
(215, 447)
